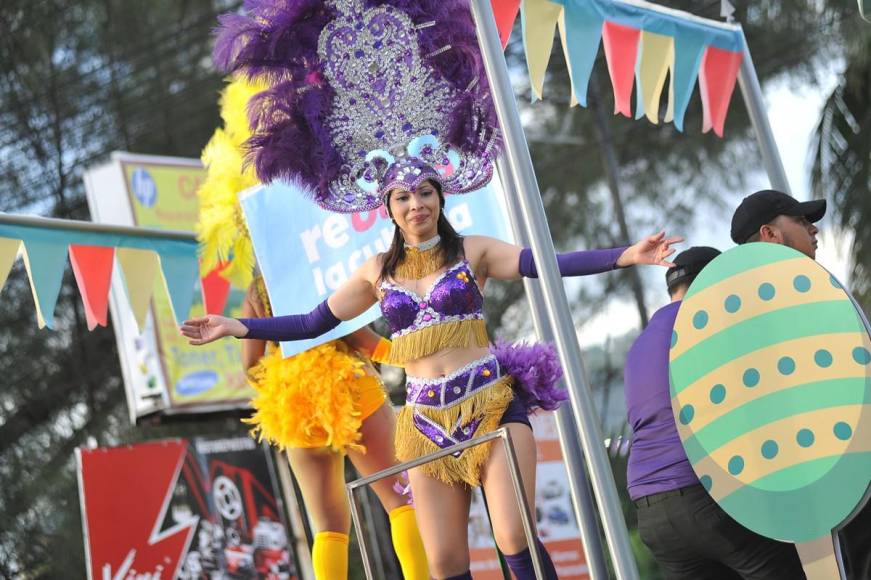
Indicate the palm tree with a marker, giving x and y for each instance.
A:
(841, 155)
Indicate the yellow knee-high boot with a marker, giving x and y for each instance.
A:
(330, 556)
(407, 543)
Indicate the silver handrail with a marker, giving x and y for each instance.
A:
(516, 481)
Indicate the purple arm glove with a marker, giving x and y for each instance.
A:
(294, 326)
(579, 263)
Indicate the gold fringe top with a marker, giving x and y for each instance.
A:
(431, 339)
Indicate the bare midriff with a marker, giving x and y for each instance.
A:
(444, 362)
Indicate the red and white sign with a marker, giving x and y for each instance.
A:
(182, 509)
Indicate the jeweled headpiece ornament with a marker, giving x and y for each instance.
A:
(361, 89)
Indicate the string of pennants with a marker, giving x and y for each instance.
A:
(643, 45)
(92, 255)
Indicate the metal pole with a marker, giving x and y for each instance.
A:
(752, 93)
(542, 248)
(525, 512)
(516, 480)
(357, 518)
(80, 226)
(579, 486)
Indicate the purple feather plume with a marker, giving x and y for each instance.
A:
(277, 40)
(461, 66)
(536, 370)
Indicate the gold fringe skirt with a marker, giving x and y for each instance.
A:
(318, 398)
(442, 412)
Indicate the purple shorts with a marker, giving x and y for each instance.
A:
(515, 413)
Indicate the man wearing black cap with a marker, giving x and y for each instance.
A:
(773, 216)
(689, 534)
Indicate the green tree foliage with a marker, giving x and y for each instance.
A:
(841, 153)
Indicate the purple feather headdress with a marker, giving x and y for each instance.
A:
(359, 85)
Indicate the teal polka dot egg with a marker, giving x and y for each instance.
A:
(770, 368)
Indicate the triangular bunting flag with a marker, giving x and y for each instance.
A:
(621, 52)
(180, 274)
(216, 289)
(656, 58)
(581, 31)
(45, 261)
(505, 12)
(689, 47)
(539, 19)
(139, 268)
(92, 267)
(8, 253)
(717, 77)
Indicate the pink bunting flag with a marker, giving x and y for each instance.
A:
(505, 12)
(216, 289)
(621, 52)
(717, 77)
(92, 267)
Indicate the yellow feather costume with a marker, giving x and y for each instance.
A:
(318, 398)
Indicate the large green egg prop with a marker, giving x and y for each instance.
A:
(770, 368)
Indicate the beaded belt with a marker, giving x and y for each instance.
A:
(443, 392)
(446, 392)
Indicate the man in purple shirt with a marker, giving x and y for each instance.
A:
(689, 534)
(774, 217)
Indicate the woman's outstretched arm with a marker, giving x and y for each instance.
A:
(505, 261)
(351, 298)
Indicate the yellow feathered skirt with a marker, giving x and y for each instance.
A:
(318, 398)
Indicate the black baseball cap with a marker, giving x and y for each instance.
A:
(762, 207)
(688, 264)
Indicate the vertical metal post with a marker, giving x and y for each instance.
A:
(357, 518)
(579, 486)
(752, 93)
(520, 162)
(527, 516)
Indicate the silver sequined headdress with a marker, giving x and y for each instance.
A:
(383, 84)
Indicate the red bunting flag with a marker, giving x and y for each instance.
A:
(505, 12)
(621, 52)
(216, 289)
(717, 77)
(92, 267)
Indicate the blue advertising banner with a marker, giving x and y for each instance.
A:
(305, 252)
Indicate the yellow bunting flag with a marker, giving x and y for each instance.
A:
(539, 22)
(140, 268)
(562, 36)
(657, 57)
(8, 254)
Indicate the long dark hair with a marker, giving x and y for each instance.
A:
(451, 244)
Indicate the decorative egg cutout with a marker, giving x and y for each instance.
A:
(770, 369)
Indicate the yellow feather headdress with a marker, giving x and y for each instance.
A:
(221, 229)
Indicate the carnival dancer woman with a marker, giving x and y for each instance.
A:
(384, 102)
(320, 406)
(429, 284)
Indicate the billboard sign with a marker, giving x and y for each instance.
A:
(177, 508)
(161, 371)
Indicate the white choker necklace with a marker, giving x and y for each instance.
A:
(424, 246)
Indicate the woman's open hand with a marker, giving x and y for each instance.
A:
(653, 250)
(210, 328)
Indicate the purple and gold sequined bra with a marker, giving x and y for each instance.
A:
(449, 315)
